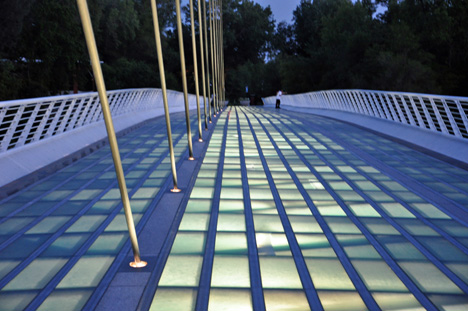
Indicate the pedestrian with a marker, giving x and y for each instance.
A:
(278, 98)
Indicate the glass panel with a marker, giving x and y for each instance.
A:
(174, 299)
(400, 248)
(15, 300)
(229, 300)
(87, 272)
(66, 245)
(194, 222)
(450, 302)
(302, 224)
(293, 300)
(339, 301)
(182, 271)
(357, 246)
(36, 275)
(279, 272)
(429, 278)
(328, 274)
(378, 276)
(395, 301)
(315, 245)
(271, 244)
(65, 300)
(230, 271)
(107, 244)
(231, 222)
(230, 243)
(267, 223)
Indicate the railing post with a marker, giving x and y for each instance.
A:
(93, 53)
(184, 78)
(162, 75)
(195, 69)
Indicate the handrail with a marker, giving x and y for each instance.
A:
(27, 121)
(444, 114)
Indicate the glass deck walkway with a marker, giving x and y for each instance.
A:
(280, 211)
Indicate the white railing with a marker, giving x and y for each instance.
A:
(444, 114)
(27, 121)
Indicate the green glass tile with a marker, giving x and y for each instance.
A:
(450, 302)
(429, 278)
(231, 222)
(229, 300)
(279, 273)
(6, 266)
(429, 210)
(198, 206)
(8, 207)
(57, 195)
(86, 223)
(342, 225)
(65, 245)
(15, 224)
(202, 193)
(181, 271)
(146, 193)
(104, 207)
(357, 246)
(14, 301)
(36, 275)
(302, 224)
(24, 246)
(363, 210)
(264, 207)
(272, 244)
(189, 243)
(328, 274)
(232, 193)
(329, 208)
(260, 194)
(400, 248)
(397, 301)
(379, 196)
(87, 272)
(267, 223)
(341, 185)
(112, 194)
(70, 208)
(379, 226)
(230, 271)
(443, 249)
(85, 195)
(396, 210)
(320, 195)
(107, 244)
(315, 245)
(378, 276)
(48, 225)
(393, 185)
(138, 206)
(452, 227)
(416, 227)
(349, 196)
(194, 222)
(37, 209)
(230, 243)
(65, 300)
(120, 223)
(460, 269)
(339, 301)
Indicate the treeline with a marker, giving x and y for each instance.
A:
(414, 45)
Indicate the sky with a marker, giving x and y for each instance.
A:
(282, 9)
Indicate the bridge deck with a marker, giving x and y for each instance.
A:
(280, 211)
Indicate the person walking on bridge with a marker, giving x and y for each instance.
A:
(278, 98)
